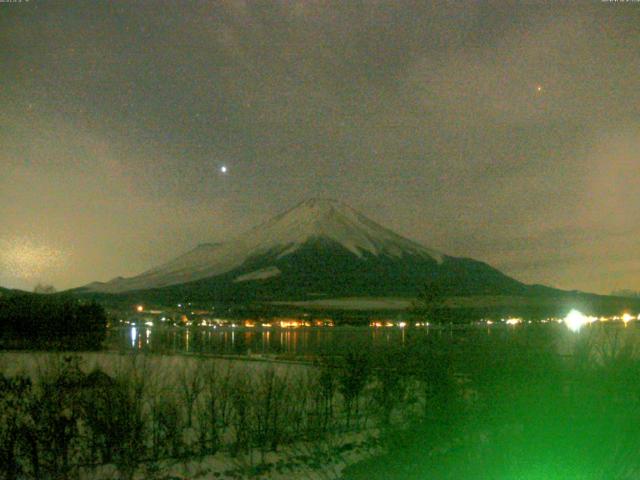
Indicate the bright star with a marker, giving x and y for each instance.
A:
(223, 169)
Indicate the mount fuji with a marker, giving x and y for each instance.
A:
(319, 248)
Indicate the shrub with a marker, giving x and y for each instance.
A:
(15, 426)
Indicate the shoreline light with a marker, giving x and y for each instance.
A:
(575, 320)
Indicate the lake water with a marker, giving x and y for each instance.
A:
(311, 341)
(244, 341)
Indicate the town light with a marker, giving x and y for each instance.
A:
(575, 320)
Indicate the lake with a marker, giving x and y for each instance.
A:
(246, 341)
(310, 341)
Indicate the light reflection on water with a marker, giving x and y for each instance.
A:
(241, 341)
(134, 335)
(314, 341)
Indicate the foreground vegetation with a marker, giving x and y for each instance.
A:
(59, 420)
(540, 403)
(531, 402)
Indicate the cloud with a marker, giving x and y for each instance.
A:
(116, 118)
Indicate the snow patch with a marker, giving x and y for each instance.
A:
(261, 274)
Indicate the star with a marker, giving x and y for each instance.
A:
(223, 169)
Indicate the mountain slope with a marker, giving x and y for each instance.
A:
(318, 248)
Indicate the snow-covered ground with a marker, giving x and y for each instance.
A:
(166, 378)
(319, 460)
(165, 366)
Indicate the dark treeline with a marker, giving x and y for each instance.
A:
(50, 321)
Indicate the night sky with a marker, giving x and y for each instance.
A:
(509, 135)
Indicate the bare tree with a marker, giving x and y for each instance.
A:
(327, 385)
(390, 382)
(128, 416)
(214, 409)
(241, 416)
(352, 378)
(269, 406)
(165, 424)
(191, 384)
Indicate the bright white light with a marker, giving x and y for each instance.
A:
(402, 324)
(575, 320)
(626, 318)
(223, 169)
(514, 321)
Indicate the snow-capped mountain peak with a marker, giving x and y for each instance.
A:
(335, 221)
(314, 219)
